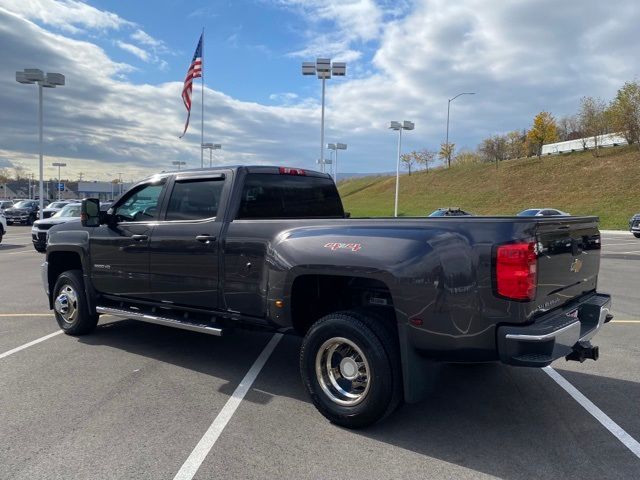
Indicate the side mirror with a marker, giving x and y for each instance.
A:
(90, 212)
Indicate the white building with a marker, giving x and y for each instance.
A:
(608, 140)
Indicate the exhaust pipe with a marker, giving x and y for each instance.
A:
(583, 351)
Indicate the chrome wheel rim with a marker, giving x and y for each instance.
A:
(66, 304)
(343, 371)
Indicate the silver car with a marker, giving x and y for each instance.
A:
(543, 212)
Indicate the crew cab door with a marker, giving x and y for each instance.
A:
(119, 249)
(185, 242)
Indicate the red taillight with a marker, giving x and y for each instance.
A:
(516, 270)
(292, 171)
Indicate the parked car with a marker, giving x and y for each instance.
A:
(41, 228)
(25, 211)
(377, 300)
(4, 204)
(54, 207)
(450, 212)
(634, 225)
(543, 212)
(3, 226)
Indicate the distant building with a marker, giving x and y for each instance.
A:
(579, 144)
(6, 193)
(101, 190)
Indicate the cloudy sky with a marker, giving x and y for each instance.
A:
(124, 62)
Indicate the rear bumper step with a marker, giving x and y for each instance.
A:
(158, 320)
(555, 336)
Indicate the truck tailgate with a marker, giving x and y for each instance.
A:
(568, 259)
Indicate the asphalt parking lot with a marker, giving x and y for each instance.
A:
(135, 400)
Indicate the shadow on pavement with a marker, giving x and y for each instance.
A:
(508, 422)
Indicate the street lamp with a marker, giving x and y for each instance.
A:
(178, 164)
(334, 147)
(59, 165)
(211, 147)
(405, 125)
(448, 109)
(324, 69)
(49, 80)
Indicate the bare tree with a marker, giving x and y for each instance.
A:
(467, 157)
(515, 144)
(594, 119)
(408, 160)
(446, 152)
(494, 149)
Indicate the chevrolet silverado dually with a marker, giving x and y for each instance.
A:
(377, 300)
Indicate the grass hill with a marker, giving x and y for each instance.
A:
(580, 183)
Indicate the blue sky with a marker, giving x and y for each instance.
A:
(125, 63)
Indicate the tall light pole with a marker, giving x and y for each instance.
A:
(324, 69)
(59, 165)
(178, 163)
(448, 110)
(405, 125)
(211, 147)
(49, 80)
(335, 147)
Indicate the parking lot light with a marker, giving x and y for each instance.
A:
(211, 147)
(178, 163)
(30, 76)
(334, 147)
(324, 70)
(394, 125)
(448, 109)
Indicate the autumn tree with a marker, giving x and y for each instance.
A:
(446, 152)
(544, 130)
(594, 119)
(467, 157)
(625, 112)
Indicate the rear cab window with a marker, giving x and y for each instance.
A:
(195, 199)
(267, 195)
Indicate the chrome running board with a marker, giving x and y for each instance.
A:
(169, 322)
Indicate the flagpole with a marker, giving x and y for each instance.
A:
(202, 108)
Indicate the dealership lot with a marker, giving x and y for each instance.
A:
(134, 400)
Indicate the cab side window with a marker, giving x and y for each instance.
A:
(195, 199)
(141, 205)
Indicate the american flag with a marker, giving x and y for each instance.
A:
(195, 71)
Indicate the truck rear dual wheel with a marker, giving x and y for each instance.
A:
(350, 365)
(70, 304)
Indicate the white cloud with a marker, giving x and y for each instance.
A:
(68, 15)
(133, 50)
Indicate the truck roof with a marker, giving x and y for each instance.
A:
(251, 168)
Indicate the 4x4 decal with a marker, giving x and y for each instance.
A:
(354, 247)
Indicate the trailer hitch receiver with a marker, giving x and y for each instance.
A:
(583, 351)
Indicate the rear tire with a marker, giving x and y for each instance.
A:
(637, 235)
(350, 365)
(70, 304)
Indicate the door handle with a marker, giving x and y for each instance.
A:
(206, 238)
(139, 238)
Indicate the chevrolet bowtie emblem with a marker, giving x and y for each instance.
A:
(576, 265)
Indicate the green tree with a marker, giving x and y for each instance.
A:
(543, 131)
(625, 112)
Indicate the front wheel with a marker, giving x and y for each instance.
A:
(31, 219)
(350, 365)
(70, 304)
(637, 235)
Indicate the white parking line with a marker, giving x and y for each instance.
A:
(27, 345)
(206, 443)
(628, 441)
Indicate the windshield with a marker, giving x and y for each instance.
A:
(72, 210)
(438, 213)
(23, 204)
(529, 213)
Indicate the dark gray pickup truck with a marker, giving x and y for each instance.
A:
(377, 300)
